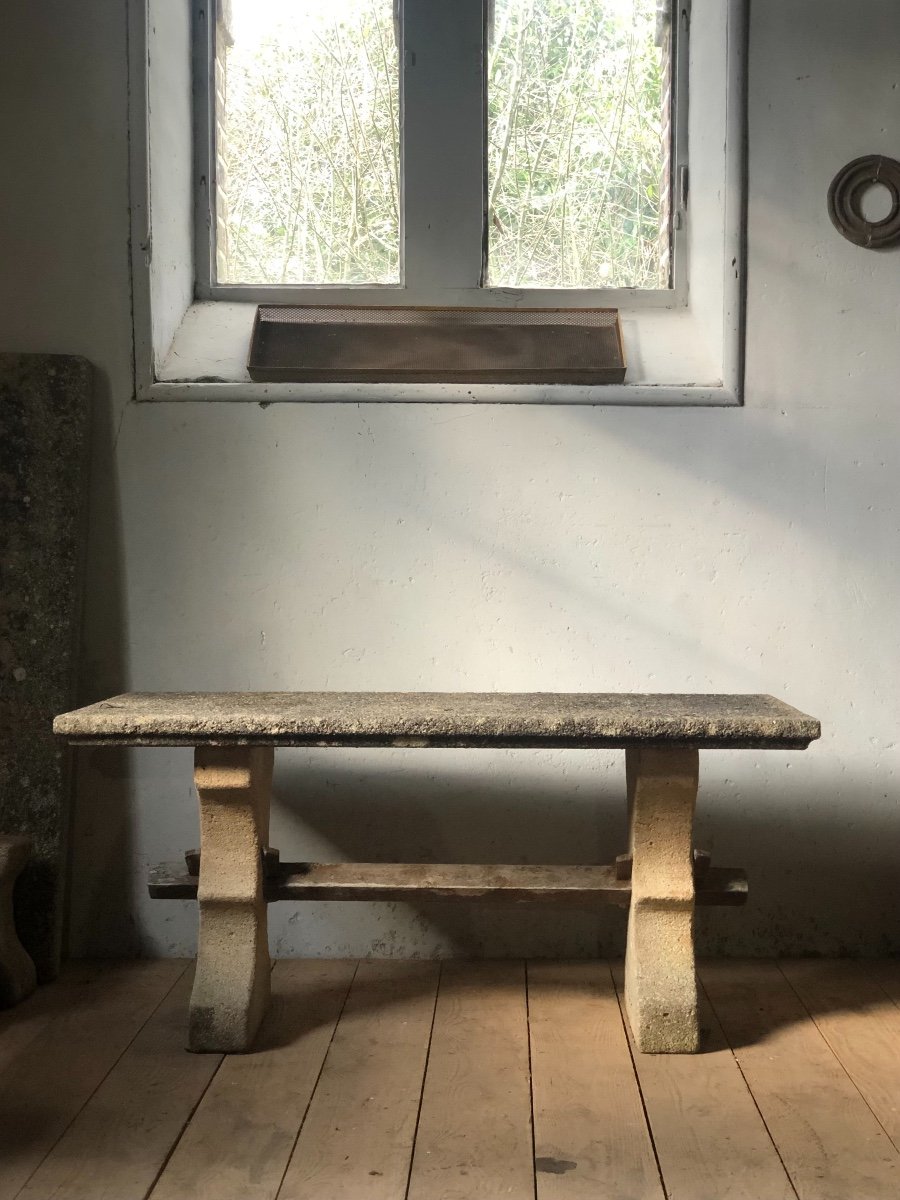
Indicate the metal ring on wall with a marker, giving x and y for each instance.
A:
(845, 196)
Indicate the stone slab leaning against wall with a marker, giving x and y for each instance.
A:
(45, 402)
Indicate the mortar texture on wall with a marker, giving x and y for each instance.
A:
(429, 547)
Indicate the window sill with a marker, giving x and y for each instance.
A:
(643, 395)
(208, 356)
(196, 350)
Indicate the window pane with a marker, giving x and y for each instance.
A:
(578, 132)
(307, 143)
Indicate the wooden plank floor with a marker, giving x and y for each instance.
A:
(389, 1080)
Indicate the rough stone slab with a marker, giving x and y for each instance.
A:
(45, 402)
(478, 719)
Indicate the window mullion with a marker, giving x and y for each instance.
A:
(442, 137)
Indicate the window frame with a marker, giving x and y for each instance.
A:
(191, 349)
(435, 196)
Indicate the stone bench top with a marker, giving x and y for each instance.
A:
(460, 719)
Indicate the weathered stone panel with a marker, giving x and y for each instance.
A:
(45, 404)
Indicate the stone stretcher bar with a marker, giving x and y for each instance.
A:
(236, 874)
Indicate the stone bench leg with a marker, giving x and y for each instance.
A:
(660, 977)
(231, 986)
(17, 974)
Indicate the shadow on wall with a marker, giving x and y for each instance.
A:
(705, 550)
(451, 807)
(100, 885)
(636, 490)
(704, 539)
(822, 880)
(824, 472)
(639, 549)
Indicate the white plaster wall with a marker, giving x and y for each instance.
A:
(396, 547)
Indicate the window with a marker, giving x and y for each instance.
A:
(305, 140)
(498, 153)
(487, 147)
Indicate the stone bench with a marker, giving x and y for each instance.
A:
(236, 874)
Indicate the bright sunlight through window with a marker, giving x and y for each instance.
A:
(307, 138)
(307, 141)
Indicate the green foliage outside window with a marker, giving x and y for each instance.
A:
(308, 161)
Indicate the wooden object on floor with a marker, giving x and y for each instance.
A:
(475, 1135)
(829, 1140)
(18, 978)
(240, 1139)
(358, 1135)
(234, 735)
(590, 1135)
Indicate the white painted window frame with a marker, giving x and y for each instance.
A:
(191, 342)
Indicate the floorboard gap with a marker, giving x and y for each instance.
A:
(530, 1080)
(21, 1190)
(412, 1153)
(737, 1063)
(620, 998)
(824, 1036)
(316, 1084)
